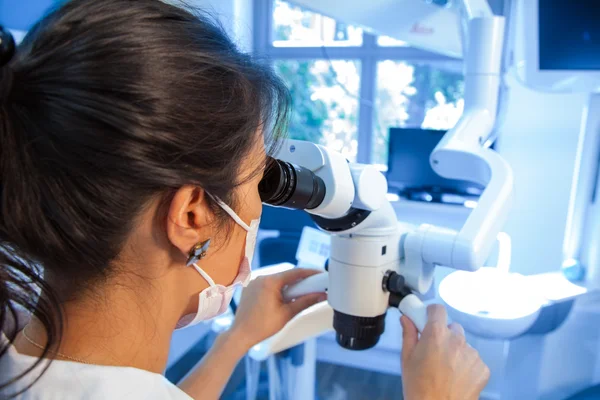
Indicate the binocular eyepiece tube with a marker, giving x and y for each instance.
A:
(291, 186)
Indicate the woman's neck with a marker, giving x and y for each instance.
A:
(122, 328)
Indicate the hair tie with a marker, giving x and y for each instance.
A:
(7, 50)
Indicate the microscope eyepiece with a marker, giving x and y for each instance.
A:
(291, 186)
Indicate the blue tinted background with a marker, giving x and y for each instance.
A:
(22, 14)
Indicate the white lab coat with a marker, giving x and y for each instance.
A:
(66, 380)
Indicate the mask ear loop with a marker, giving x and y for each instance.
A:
(204, 275)
(230, 211)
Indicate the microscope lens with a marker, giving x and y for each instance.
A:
(291, 186)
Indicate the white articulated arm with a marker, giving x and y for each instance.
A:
(421, 24)
(476, 9)
(462, 155)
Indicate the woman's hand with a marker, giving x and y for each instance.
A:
(262, 311)
(440, 364)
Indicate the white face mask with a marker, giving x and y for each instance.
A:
(251, 231)
(215, 299)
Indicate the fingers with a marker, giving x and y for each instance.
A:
(294, 275)
(458, 342)
(478, 371)
(485, 375)
(436, 315)
(457, 329)
(410, 338)
(302, 303)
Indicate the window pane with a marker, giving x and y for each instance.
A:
(296, 27)
(386, 41)
(325, 102)
(422, 95)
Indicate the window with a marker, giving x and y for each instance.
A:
(293, 26)
(325, 101)
(349, 86)
(414, 95)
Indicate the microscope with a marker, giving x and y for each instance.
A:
(365, 271)
(375, 261)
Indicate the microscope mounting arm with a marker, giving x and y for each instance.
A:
(462, 154)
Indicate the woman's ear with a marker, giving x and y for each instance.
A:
(188, 217)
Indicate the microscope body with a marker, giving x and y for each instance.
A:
(358, 266)
(375, 261)
(366, 239)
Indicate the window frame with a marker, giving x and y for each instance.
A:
(369, 54)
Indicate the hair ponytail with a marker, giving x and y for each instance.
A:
(21, 280)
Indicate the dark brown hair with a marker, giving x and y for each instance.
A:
(114, 103)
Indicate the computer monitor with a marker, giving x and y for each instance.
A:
(569, 35)
(409, 168)
(556, 44)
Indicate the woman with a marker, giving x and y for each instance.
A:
(132, 144)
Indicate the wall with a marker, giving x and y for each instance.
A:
(539, 140)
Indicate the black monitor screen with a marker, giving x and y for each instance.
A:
(569, 34)
(408, 162)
